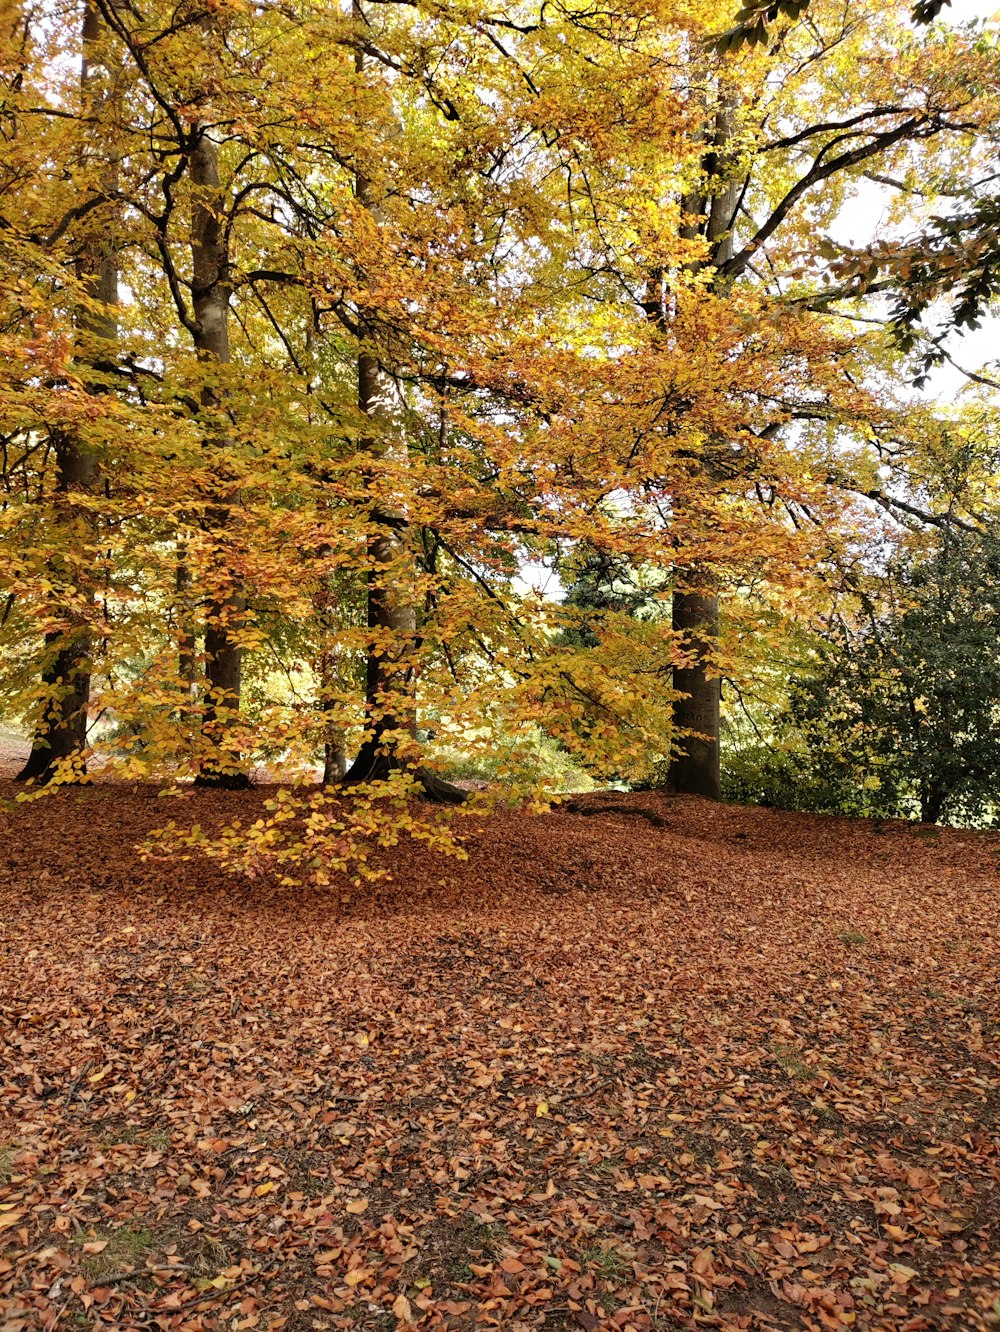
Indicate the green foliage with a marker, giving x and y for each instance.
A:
(762, 773)
(900, 714)
(604, 582)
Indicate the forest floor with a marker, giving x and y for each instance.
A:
(736, 1071)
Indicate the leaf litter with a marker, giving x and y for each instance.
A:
(720, 1068)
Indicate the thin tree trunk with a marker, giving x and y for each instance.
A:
(334, 751)
(334, 760)
(210, 295)
(390, 672)
(60, 733)
(931, 803)
(186, 641)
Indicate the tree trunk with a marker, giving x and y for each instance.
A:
(695, 771)
(60, 733)
(334, 761)
(186, 641)
(210, 295)
(390, 671)
(931, 803)
(334, 750)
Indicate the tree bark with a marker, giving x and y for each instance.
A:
(211, 292)
(390, 671)
(334, 751)
(695, 770)
(186, 641)
(334, 761)
(932, 799)
(60, 733)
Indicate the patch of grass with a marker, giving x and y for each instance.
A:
(205, 1253)
(157, 1140)
(487, 1236)
(610, 1261)
(783, 1175)
(6, 1164)
(791, 1063)
(852, 937)
(127, 1135)
(313, 1186)
(751, 1255)
(126, 1247)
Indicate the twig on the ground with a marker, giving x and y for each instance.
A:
(71, 1089)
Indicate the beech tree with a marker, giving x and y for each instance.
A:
(413, 298)
(748, 201)
(753, 19)
(88, 226)
(208, 323)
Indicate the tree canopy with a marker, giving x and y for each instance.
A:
(322, 324)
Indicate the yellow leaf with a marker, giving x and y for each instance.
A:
(401, 1308)
(358, 1206)
(542, 1110)
(261, 1189)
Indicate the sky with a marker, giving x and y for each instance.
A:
(972, 349)
(863, 217)
(960, 11)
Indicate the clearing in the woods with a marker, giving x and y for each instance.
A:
(729, 1069)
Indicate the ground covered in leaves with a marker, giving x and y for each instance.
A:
(721, 1068)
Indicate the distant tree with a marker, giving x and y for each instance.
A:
(603, 581)
(902, 713)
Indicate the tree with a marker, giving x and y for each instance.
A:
(744, 213)
(418, 295)
(59, 739)
(211, 293)
(900, 710)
